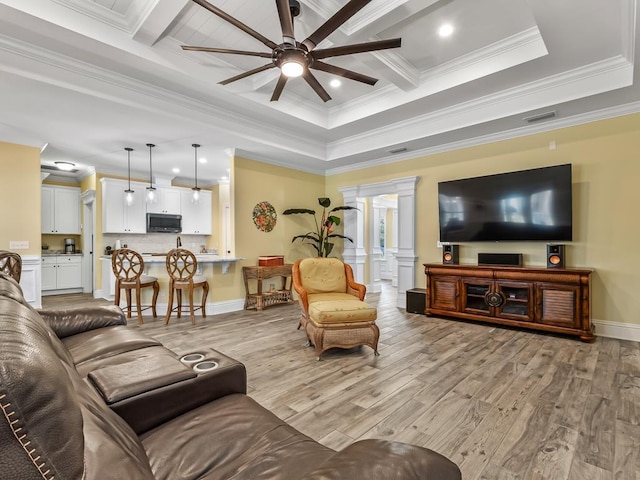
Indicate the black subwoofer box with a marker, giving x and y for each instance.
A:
(416, 300)
(509, 259)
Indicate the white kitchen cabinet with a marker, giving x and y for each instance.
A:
(117, 216)
(196, 217)
(60, 210)
(167, 201)
(61, 272)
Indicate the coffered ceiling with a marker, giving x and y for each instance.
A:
(87, 78)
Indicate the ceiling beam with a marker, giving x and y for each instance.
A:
(157, 20)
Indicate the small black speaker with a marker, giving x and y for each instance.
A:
(555, 256)
(450, 254)
(416, 300)
(508, 259)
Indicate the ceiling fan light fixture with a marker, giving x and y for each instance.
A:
(292, 69)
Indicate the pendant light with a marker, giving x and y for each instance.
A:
(196, 189)
(151, 190)
(128, 192)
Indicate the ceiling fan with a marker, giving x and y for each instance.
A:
(295, 58)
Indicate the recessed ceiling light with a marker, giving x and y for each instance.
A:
(202, 160)
(67, 166)
(335, 83)
(445, 30)
(175, 170)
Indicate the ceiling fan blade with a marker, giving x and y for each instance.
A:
(247, 74)
(279, 87)
(236, 23)
(343, 72)
(313, 82)
(357, 48)
(225, 50)
(328, 27)
(286, 21)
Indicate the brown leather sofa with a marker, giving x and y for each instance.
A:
(65, 374)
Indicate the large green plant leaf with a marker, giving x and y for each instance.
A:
(292, 211)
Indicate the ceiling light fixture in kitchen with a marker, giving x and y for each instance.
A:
(66, 166)
(151, 190)
(196, 189)
(128, 192)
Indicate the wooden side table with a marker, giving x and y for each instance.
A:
(279, 294)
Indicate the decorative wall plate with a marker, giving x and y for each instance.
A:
(264, 216)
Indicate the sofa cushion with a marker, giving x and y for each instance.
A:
(323, 275)
(232, 437)
(105, 342)
(341, 311)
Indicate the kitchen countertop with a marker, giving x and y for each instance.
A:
(152, 258)
(53, 253)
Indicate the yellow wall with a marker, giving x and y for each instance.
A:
(20, 209)
(606, 193)
(284, 188)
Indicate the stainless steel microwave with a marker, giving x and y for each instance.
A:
(164, 223)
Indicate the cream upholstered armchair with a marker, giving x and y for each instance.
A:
(333, 311)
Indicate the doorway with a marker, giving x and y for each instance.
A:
(358, 224)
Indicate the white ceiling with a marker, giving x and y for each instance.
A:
(90, 77)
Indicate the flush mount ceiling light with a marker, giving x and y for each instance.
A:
(66, 166)
(445, 30)
(128, 193)
(196, 189)
(297, 59)
(151, 190)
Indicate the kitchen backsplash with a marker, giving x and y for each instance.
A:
(154, 242)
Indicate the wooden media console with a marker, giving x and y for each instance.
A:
(551, 299)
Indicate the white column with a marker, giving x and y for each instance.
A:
(353, 227)
(406, 255)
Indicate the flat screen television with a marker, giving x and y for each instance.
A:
(525, 205)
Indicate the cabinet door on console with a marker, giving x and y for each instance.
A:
(474, 292)
(443, 293)
(518, 300)
(558, 305)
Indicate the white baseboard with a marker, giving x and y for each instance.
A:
(621, 331)
(216, 308)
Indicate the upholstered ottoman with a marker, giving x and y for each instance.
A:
(334, 313)
(342, 324)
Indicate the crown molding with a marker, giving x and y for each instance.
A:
(574, 120)
(578, 83)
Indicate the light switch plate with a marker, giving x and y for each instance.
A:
(19, 244)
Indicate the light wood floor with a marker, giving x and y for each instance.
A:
(503, 404)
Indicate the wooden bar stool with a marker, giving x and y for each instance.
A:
(128, 267)
(11, 264)
(182, 267)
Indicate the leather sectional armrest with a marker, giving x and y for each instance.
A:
(77, 320)
(119, 382)
(154, 407)
(380, 459)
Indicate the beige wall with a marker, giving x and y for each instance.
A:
(284, 188)
(20, 209)
(606, 193)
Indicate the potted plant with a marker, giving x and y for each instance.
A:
(320, 239)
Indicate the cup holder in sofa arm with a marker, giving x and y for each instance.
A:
(205, 366)
(118, 382)
(192, 358)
